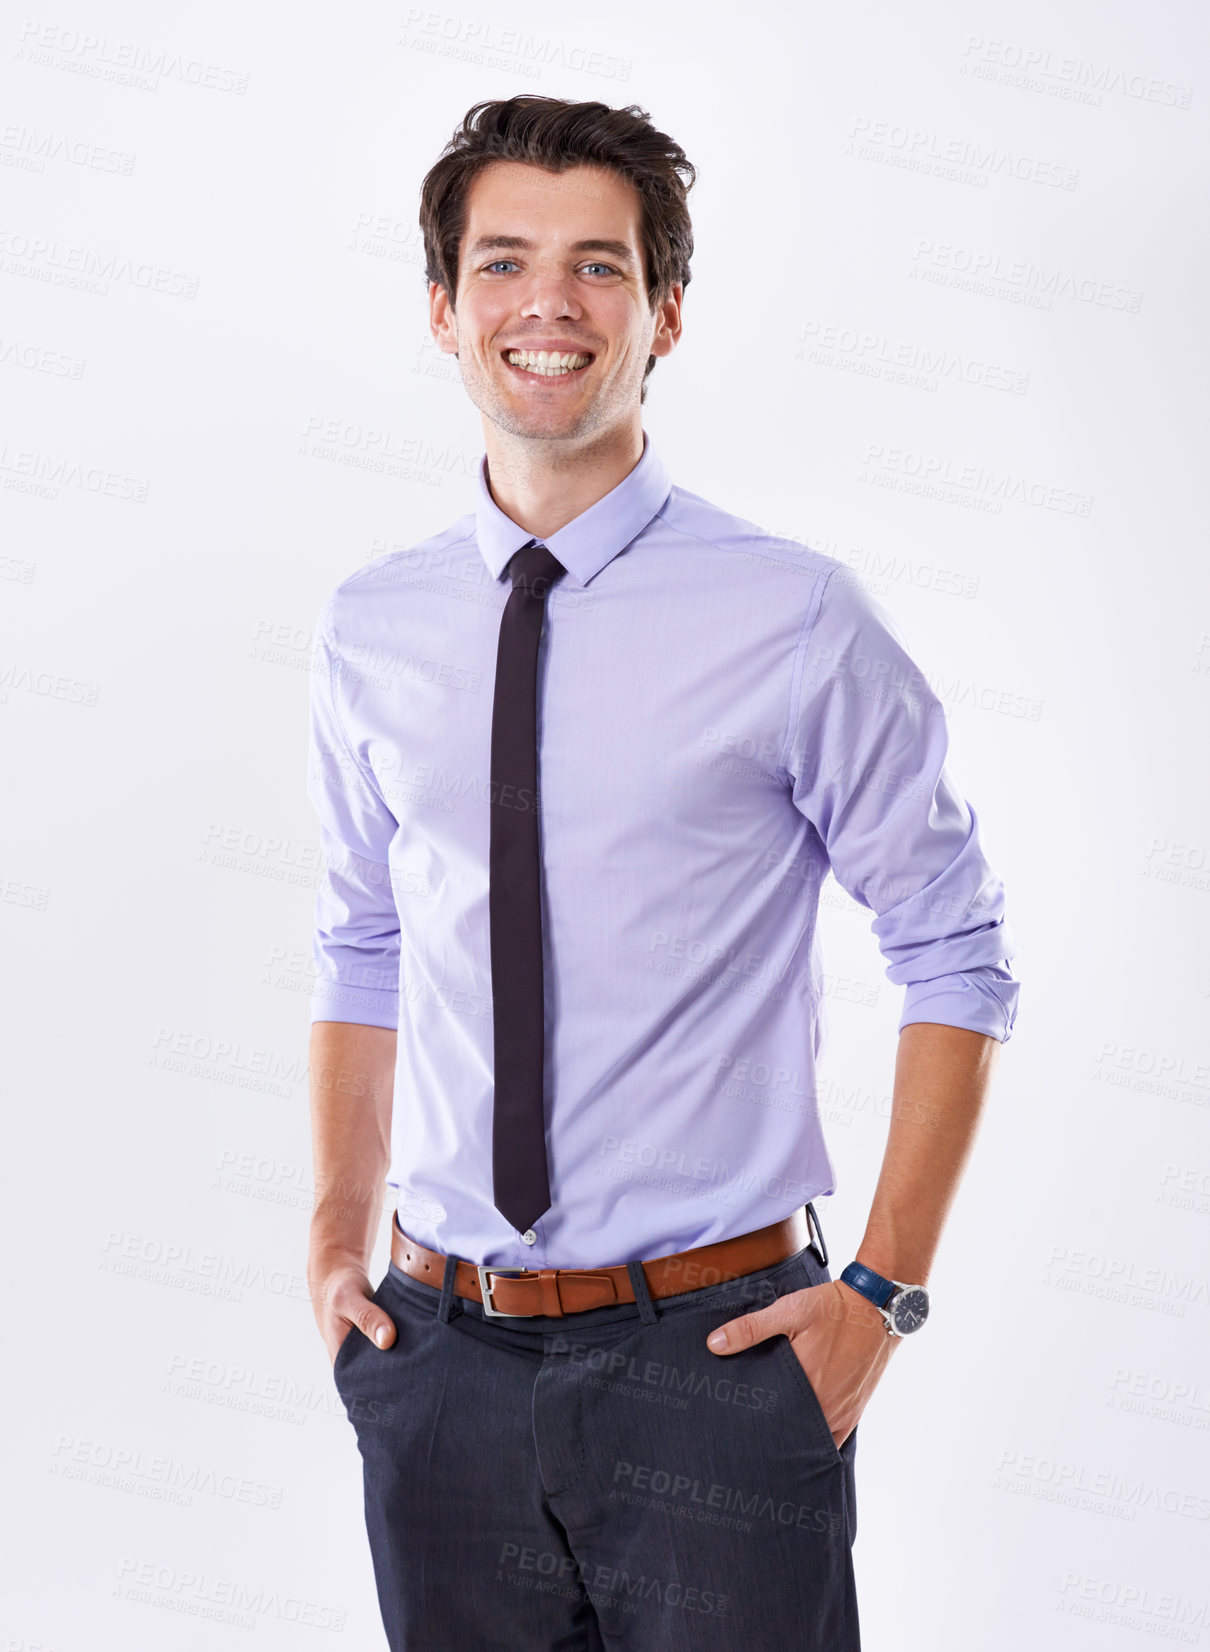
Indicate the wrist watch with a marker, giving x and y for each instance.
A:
(904, 1307)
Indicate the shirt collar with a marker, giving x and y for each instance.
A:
(586, 543)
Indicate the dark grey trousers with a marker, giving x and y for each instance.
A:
(602, 1482)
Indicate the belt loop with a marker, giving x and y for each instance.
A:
(642, 1296)
(449, 1305)
(816, 1242)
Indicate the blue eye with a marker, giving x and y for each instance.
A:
(496, 262)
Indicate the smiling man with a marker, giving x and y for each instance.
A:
(576, 820)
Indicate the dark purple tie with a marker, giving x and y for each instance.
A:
(520, 1183)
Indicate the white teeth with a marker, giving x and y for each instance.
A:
(548, 364)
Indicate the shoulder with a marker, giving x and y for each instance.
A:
(765, 553)
(363, 598)
(838, 621)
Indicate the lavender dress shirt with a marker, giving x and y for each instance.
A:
(724, 716)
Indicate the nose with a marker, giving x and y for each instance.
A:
(549, 298)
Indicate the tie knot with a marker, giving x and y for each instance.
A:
(534, 569)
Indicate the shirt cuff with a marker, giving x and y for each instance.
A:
(983, 1000)
(361, 1006)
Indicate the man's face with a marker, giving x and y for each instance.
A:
(553, 261)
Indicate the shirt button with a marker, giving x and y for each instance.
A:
(529, 1237)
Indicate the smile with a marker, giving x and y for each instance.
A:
(547, 364)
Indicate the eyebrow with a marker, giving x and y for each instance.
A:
(518, 243)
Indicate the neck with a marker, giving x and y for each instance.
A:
(543, 485)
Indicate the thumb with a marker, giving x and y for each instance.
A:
(371, 1322)
(739, 1333)
(379, 1327)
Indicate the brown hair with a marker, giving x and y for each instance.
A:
(557, 134)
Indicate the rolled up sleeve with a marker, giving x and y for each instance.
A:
(356, 942)
(866, 761)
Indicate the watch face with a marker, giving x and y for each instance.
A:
(910, 1309)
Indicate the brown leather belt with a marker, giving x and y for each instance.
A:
(554, 1292)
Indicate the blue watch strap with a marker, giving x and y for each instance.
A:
(869, 1284)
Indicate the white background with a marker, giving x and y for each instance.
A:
(210, 264)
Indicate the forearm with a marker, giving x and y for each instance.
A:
(942, 1076)
(352, 1069)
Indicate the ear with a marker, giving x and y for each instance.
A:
(667, 323)
(443, 323)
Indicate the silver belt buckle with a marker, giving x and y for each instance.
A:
(486, 1290)
(815, 1242)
